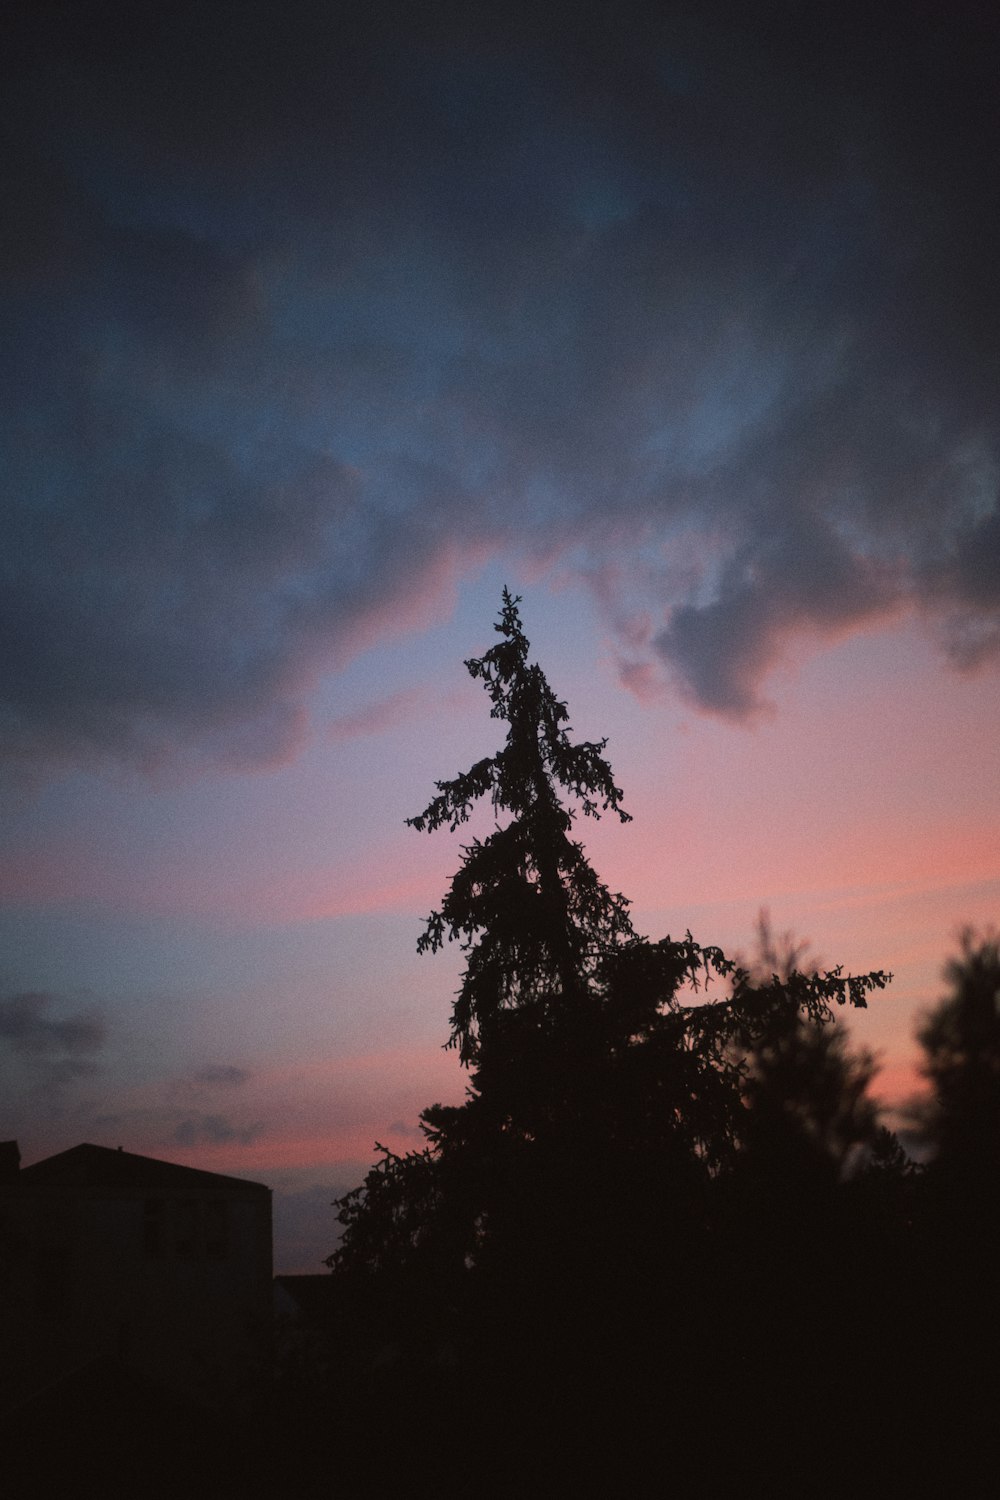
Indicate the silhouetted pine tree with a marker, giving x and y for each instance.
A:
(601, 1094)
(532, 915)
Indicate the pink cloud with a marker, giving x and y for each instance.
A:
(643, 680)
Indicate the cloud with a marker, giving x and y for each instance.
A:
(799, 578)
(62, 1046)
(965, 582)
(303, 325)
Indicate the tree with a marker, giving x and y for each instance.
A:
(961, 1044)
(600, 1070)
(807, 1101)
(806, 1090)
(532, 915)
(959, 1207)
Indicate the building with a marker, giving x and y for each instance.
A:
(163, 1269)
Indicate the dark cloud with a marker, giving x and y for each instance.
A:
(61, 1045)
(800, 578)
(223, 1075)
(966, 581)
(215, 1130)
(306, 316)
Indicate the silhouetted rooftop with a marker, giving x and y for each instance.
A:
(102, 1167)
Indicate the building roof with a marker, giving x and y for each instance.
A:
(101, 1167)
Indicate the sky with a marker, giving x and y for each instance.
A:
(323, 323)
